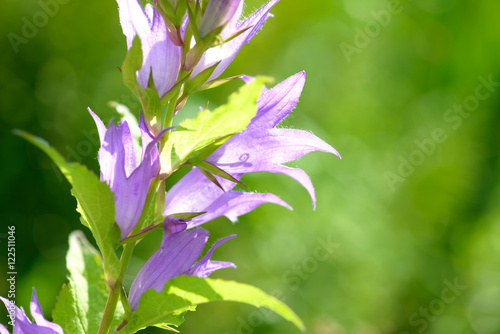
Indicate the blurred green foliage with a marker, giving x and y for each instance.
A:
(400, 239)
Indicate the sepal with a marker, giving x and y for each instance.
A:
(194, 84)
(210, 170)
(217, 83)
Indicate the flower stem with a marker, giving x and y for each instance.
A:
(115, 290)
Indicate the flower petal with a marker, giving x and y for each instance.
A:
(3, 330)
(160, 55)
(234, 204)
(195, 193)
(275, 104)
(228, 51)
(251, 151)
(205, 267)
(263, 148)
(130, 193)
(101, 128)
(25, 326)
(177, 253)
(132, 19)
(37, 314)
(118, 162)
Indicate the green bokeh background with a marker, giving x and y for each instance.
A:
(400, 239)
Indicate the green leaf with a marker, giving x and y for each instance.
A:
(217, 83)
(186, 215)
(81, 302)
(192, 86)
(186, 291)
(95, 202)
(209, 170)
(148, 97)
(193, 136)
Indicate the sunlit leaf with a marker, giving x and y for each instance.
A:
(188, 291)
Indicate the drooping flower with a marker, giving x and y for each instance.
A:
(262, 147)
(23, 324)
(118, 161)
(160, 57)
(175, 257)
(259, 148)
(225, 53)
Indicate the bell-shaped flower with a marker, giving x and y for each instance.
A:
(259, 148)
(23, 325)
(262, 147)
(128, 181)
(175, 257)
(160, 57)
(226, 52)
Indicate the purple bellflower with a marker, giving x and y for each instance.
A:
(23, 324)
(259, 148)
(176, 256)
(160, 56)
(118, 162)
(262, 147)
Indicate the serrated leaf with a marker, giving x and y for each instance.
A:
(95, 202)
(81, 302)
(192, 136)
(217, 83)
(186, 291)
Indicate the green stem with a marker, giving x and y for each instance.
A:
(169, 118)
(115, 290)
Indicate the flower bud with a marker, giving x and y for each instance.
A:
(216, 15)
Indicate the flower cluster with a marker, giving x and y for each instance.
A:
(176, 48)
(261, 147)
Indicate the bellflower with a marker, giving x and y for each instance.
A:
(262, 147)
(259, 148)
(175, 257)
(160, 57)
(118, 162)
(23, 324)
(225, 53)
